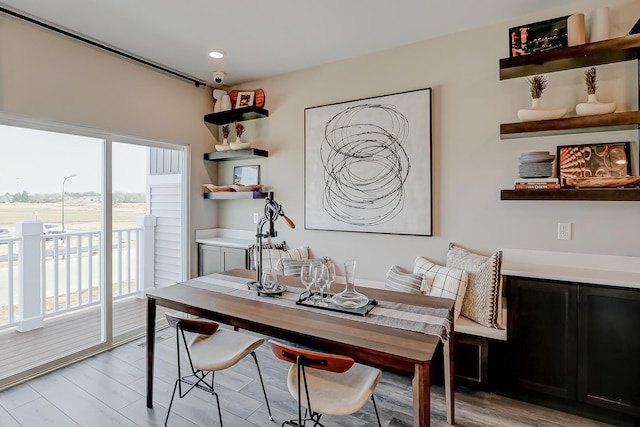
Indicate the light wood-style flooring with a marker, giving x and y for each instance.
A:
(109, 390)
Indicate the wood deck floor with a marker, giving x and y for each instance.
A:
(66, 334)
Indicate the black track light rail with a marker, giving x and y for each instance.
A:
(197, 82)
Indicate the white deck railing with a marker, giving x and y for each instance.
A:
(69, 272)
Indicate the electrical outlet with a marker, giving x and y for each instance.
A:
(564, 231)
(256, 217)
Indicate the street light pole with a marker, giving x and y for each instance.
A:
(63, 182)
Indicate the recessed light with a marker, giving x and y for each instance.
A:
(216, 54)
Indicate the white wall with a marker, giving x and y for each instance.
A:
(51, 77)
(54, 78)
(470, 162)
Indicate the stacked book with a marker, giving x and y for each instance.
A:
(537, 184)
(535, 171)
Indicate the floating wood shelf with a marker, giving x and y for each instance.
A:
(236, 115)
(595, 194)
(235, 195)
(251, 153)
(586, 55)
(598, 123)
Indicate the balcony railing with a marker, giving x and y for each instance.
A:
(68, 272)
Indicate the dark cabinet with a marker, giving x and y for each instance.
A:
(543, 336)
(609, 348)
(575, 341)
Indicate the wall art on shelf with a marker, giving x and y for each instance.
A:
(545, 35)
(246, 175)
(244, 99)
(368, 165)
(593, 161)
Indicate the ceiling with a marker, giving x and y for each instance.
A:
(266, 38)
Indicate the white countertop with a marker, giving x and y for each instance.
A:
(607, 270)
(240, 239)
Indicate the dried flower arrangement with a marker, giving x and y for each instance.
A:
(591, 80)
(225, 131)
(537, 85)
(239, 129)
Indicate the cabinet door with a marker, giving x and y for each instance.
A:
(233, 258)
(609, 368)
(208, 259)
(543, 335)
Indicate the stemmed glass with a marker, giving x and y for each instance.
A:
(322, 279)
(316, 270)
(331, 277)
(306, 277)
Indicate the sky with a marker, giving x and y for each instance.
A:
(38, 162)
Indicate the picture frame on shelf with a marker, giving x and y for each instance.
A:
(538, 36)
(606, 160)
(246, 175)
(245, 99)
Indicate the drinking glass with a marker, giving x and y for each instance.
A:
(322, 278)
(316, 270)
(269, 280)
(331, 277)
(306, 278)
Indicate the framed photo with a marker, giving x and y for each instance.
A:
(246, 175)
(593, 160)
(245, 99)
(538, 36)
(368, 165)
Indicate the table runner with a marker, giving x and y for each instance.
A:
(427, 320)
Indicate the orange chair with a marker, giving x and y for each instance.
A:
(210, 350)
(331, 384)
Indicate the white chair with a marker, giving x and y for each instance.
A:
(331, 384)
(210, 350)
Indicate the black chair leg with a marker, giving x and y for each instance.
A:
(218, 403)
(255, 359)
(175, 387)
(375, 408)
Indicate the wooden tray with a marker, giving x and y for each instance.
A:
(620, 181)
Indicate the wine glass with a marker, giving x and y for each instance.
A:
(322, 278)
(269, 280)
(306, 277)
(331, 277)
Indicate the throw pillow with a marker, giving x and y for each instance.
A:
(398, 280)
(253, 251)
(483, 302)
(444, 282)
(291, 267)
(271, 258)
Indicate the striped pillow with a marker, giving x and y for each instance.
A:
(483, 302)
(292, 267)
(444, 282)
(272, 258)
(399, 280)
(253, 251)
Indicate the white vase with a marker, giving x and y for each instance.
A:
(593, 106)
(536, 112)
(224, 146)
(225, 103)
(239, 145)
(599, 24)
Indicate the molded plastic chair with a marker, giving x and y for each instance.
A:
(331, 384)
(210, 350)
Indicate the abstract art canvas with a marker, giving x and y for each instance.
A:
(368, 165)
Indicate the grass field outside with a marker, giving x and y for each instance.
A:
(79, 215)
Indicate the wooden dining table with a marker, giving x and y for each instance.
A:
(389, 348)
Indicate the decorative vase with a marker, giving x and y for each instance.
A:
(239, 145)
(599, 24)
(225, 103)
(536, 112)
(593, 106)
(224, 146)
(350, 298)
